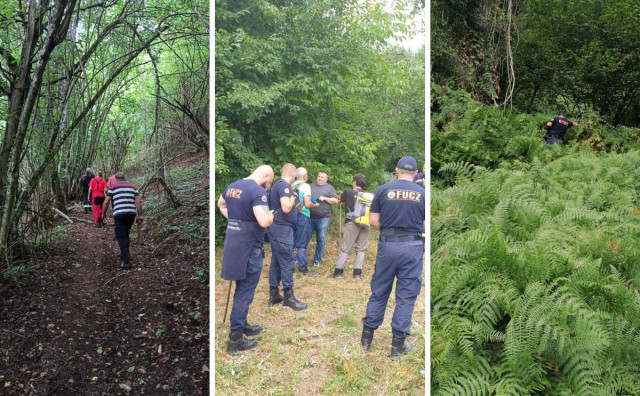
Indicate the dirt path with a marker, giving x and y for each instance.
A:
(80, 325)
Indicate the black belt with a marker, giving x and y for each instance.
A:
(402, 238)
(397, 231)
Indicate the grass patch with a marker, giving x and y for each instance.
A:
(317, 351)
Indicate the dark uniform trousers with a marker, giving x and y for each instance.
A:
(401, 260)
(246, 290)
(123, 223)
(86, 205)
(282, 263)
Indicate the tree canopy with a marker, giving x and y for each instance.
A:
(316, 84)
(81, 83)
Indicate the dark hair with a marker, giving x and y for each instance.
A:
(561, 113)
(360, 180)
(324, 171)
(119, 175)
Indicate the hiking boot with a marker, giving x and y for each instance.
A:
(251, 330)
(238, 342)
(291, 301)
(357, 273)
(337, 273)
(274, 296)
(125, 265)
(366, 339)
(316, 264)
(399, 347)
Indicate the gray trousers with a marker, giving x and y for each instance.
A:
(357, 235)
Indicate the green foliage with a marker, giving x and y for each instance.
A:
(316, 84)
(567, 55)
(464, 130)
(534, 282)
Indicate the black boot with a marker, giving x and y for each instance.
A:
(126, 259)
(399, 347)
(251, 330)
(366, 339)
(238, 342)
(337, 273)
(357, 273)
(291, 301)
(274, 296)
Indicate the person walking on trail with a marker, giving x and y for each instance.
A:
(85, 179)
(244, 204)
(127, 208)
(326, 195)
(112, 180)
(302, 230)
(354, 233)
(557, 127)
(282, 201)
(398, 211)
(97, 191)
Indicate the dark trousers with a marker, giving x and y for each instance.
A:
(86, 205)
(123, 223)
(246, 290)
(301, 237)
(401, 261)
(282, 264)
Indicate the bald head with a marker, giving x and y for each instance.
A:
(288, 170)
(263, 175)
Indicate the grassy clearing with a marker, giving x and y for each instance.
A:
(317, 351)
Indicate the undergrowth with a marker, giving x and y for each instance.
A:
(535, 282)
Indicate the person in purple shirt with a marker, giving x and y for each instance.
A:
(244, 204)
(282, 200)
(398, 212)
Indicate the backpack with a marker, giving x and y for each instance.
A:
(296, 189)
(360, 213)
(85, 178)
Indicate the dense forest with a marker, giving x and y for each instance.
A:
(534, 251)
(315, 83)
(115, 86)
(91, 83)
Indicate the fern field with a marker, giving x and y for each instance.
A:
(535, 271)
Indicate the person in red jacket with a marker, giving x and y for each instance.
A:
(97, 189)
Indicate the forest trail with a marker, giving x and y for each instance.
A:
(81, 325)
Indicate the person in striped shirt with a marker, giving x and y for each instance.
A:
(127, 208)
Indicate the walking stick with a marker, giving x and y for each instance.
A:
(227, 306)
(340, 224)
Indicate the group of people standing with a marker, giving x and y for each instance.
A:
(119, 194)
(288, 215)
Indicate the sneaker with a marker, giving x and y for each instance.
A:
(124, 265)
(316, 264)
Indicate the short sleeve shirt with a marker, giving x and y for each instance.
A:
(280, 189)
(241, 196)
(401, 204)
(559, 126)
(304, 191)
(348, 196)
(326, 190)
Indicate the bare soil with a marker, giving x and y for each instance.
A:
(81, 325)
